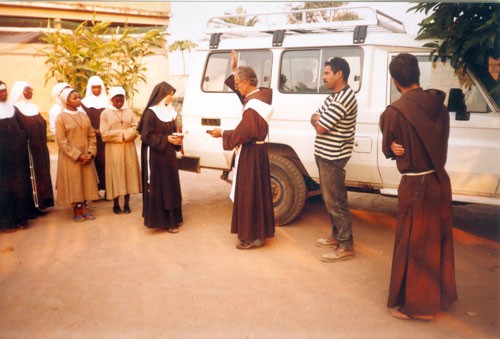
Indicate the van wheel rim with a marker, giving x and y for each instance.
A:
(277, 191)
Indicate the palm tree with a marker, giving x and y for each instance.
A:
(182, 45)
(319, 16)
(241, 20)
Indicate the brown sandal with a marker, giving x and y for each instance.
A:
(397, 312)
(173, 230)
(250, 245)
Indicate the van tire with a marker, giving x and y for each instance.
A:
(288, 187)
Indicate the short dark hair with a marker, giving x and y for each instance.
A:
(404, 69)
(339, 64)
(247, 73)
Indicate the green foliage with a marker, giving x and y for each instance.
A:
(467, 33)
(320, 16)
(182, 45)
(93, 48)
(241, 20)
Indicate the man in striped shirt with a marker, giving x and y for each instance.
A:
(335, 123)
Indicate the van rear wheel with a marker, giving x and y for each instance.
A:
(288, 188)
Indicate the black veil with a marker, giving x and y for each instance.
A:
(159, 93)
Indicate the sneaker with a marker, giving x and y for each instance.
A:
(328, 242)
(340, 254)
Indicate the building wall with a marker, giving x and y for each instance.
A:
(21, 61)
(135, 13)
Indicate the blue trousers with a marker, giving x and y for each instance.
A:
(334, 194)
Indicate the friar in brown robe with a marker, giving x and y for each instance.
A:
(423, 271)
(253, 214)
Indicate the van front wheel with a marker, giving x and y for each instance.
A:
(288, 188)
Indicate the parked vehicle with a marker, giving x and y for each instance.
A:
(289, 58)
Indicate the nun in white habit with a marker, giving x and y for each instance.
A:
(119, 130)
(14, 184)
(35, 127)
(94, 103)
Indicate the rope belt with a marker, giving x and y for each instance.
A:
(260, 142)
(419, 173)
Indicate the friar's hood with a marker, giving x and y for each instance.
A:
(430, 101)
(426, 112)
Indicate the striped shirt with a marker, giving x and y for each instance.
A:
(338, 116)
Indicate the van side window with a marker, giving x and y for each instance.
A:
(218, 68)
(302, 70)
(442, 76)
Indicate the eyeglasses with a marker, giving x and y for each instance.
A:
(238, 83)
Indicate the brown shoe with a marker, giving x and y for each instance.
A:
(328, 242)
(339, 254)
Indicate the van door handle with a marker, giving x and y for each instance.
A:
(210, 121)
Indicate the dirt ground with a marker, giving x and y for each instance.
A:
(114, 278)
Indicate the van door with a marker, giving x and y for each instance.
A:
(209, 103)
(474, 145)
(301, 92)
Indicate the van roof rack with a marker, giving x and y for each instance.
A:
(319, 20)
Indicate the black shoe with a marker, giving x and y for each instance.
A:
(126, 209)
(117, 210)
(41, 213)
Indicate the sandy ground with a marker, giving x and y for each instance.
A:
(114, 278)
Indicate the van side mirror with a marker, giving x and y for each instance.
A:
(456, 103)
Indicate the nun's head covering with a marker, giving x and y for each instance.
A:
(114, 91)
(92, 101)
(16, 95)
(57, 89)
(6, 109)
(23, 104)
(158, 94)
(63, 97)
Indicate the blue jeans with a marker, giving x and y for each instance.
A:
(334, 194)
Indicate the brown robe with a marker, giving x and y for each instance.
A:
(423, 269)
(36, 130)
(118, 131)
(162, 199)
(253, 213)
(100, 158)
(75, 182)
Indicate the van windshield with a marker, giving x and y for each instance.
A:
(218, 68)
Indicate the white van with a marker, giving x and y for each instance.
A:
(289, 58)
